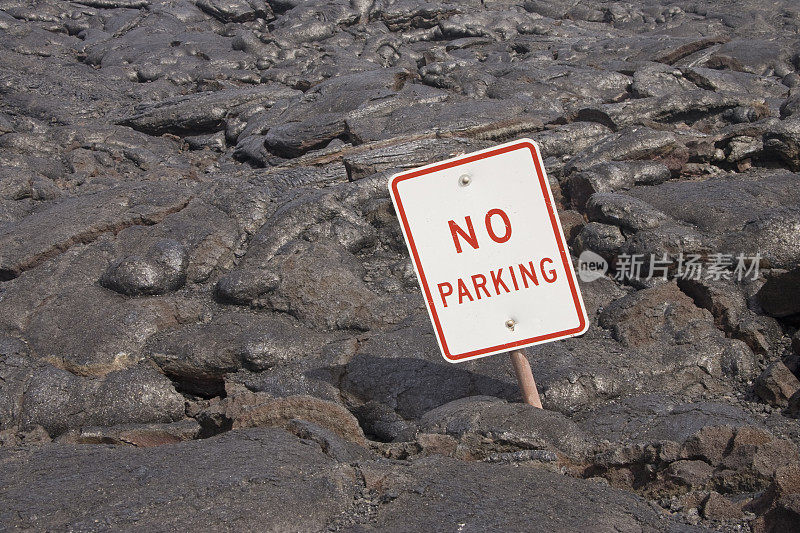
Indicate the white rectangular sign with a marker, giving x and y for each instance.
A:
(489, 251)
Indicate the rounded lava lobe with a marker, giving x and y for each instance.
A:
(132, 275)
(162, 269)
(245, 286)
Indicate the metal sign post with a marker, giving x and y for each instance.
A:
(522, 368)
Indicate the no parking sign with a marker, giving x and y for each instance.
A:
(489, 251)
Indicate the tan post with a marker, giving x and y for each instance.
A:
(522, 368)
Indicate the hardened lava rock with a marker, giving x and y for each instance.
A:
(207, 307)
(162, 269)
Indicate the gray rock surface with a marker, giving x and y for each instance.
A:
(199, 259)
(293, 483)
(426, 498)
(515, 423)
(261, 468)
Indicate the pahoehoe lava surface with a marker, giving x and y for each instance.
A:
(209, 320)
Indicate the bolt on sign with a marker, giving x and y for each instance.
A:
(489, 251)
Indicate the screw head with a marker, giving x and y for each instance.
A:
(510, 323)
(465, 180)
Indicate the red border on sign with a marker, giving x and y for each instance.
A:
(556, 232)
